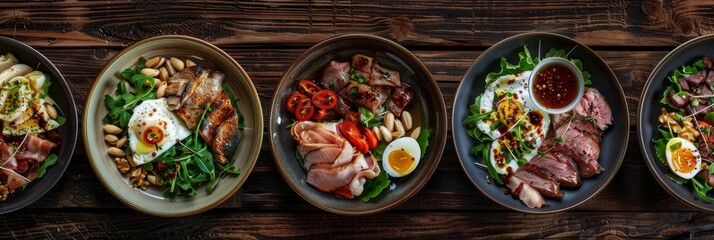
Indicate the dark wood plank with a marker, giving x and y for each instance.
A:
(422, 225)
(422, 23)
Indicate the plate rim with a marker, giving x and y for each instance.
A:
(442, 115)
(609, 71)
(259, 131)
(72, 112)
(649, 160)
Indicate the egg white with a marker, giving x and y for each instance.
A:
(154, 113)
(410, 145)
(687, 145)
(517, 85)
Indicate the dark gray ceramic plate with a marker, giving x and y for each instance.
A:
(649, 110)
(61, 94)
(390, 55)
(614, 141)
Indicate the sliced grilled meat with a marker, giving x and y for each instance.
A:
(401, 97)
(221, 109)
(361, 94)
(525, 192)
(593, 105)
(540, 179)
(362, 65)
(336, 75)
(587, 168)
(562, 167)
(199, 93)
(384, 77)
(226, 139)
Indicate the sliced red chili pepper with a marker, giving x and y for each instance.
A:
(325, 99)
(703, 124)
(344, 193)
(304, 110)
(308, 87)
(353, 134)
(371, 137)
(293, 100)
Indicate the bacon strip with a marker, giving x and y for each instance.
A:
(35, 148)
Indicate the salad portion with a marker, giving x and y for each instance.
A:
(173, 125)
(686, 121)
(527, 152)
(357, 128)
(29, 120)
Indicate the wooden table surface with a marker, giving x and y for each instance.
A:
(265, 37)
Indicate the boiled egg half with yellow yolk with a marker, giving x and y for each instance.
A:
(401, 157)
(683, 157)
(153, 129)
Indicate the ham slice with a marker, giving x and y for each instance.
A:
(327, 178)
(14, 179)
(525, 192)
(6, 157)
(35, 148)
(336, 75)
(357, 184)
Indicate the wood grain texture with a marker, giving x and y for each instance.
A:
(421, 225)
(422, 23)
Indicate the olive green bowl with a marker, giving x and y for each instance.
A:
(151, 201)
(428, 101)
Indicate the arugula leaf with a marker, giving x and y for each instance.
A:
(492, 173)
(675, 178)
(373, 187)
(701, 190)
(48, 162)
(660, 145)
(423, 140)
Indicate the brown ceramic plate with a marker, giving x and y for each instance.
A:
(612, 146)
(390, 55)
(649, 111)
(152, 201)
(61, 94)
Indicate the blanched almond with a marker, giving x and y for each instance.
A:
(377, 133)
(407, 120)
(386, 134)
(398, 134)
(130, 159)
(150, 72)
(51, 111)
(111, 139)
(398, 127)
(116, 152)
(111, 129)
(161, 91)
(389, 121)
(177, 63)
(155, 62)
(171, 69)
(152, 179)
(415, 133)
(163, 74)
(190, 63)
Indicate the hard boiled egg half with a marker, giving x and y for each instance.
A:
(401, 157)
(683, 157)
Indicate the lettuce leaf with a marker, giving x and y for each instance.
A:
(373, 187)
(48, 162)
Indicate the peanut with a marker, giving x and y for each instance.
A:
(415, 133)
(111, 139)
(120, 143)
(386, 134)
(155, 62)
(389, 121)
(116, 152)
(177, 63)
(190, 63)
(164, 74)
(111, 129)
(407, 120)
(150, 72)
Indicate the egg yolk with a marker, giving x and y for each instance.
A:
(684, 160)
(153, 135)
(401, 161)
(509, 111)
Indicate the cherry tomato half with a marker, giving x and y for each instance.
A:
(304, 110)
(344, 193)
(353, 134)
(371, 138)
(308, 87)
(325, 99)
(293, 100)
(319, 114)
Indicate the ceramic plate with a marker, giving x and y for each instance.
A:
(614, 141)
(152, 201)
(649, 111)
(390, 55)
(62, 95)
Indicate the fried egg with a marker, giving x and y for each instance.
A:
(401, 157)
(512, 110)
(683, 157)
(153, 129)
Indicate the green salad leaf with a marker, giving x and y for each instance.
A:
(373, 187)
(677, 179)
(51, 160)
(423, 140)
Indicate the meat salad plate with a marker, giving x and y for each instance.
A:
(357, 125)
(39, 130)
(172, 126)
(540, 123)
(674, 130)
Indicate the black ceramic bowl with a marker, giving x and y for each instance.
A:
(614, 141)
(390, 55)
(61, 94)
(649, 110)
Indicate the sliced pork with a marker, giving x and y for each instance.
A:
(562, 167)
(361, 94)
(540, 179)
(336, 75)
(384, 77)
(401, 97)
(362, 65)
(221, 109)
(202, 90)
(226, 139)
(327, 178)
(525, 192)
(593, 105)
